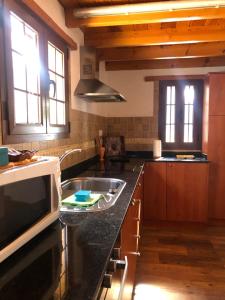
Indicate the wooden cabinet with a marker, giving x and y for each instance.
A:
(176, 191)
(186, 192)
(130, 236)
(216, 155)
(154, 206)
(217, 94)
(216, 145)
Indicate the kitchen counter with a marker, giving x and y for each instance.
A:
(69, 259)
(177, 160)
(170, 156)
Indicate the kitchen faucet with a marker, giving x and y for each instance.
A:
(66, 153)
(61, 158)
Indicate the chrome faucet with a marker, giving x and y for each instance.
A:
(68, 152)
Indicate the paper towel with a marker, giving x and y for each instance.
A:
(157, 148)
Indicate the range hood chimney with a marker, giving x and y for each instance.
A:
(89, 87)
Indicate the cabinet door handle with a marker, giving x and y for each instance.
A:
(135, 253)
(137, 236)
(120, 297)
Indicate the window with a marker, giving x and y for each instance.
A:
(180, 114)
(26, 72)
(36, 78)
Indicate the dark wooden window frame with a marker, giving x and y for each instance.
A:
(179, 115)
(29, 133)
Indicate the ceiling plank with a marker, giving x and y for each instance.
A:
(165, 51)
(165, 63)
(175, 77)
(50, 22)
(143, 18)
(149, 37)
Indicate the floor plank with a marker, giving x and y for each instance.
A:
(181, 262)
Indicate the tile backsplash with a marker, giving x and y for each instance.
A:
(84, 129)
(139, 132)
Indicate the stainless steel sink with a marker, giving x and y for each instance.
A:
(110, 188)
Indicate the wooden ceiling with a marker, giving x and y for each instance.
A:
(94, 3)
(193, 37)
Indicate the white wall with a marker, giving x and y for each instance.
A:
(138, 93)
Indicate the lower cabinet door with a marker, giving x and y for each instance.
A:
(187, 192)
(154, 191)
(129, 245)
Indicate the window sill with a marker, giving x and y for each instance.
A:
(28, 138)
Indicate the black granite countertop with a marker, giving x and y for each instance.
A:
(170, 156)
(178, 160)
(68, 260)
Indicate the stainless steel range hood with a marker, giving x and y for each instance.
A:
(89, 87)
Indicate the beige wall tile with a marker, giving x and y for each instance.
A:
(84, 129)
(137, 127)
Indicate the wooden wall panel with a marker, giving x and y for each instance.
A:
(216, 155)
(217, 94)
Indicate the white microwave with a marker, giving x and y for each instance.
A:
(29, 202)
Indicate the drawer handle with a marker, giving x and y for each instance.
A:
(137, 236)
(134, 201)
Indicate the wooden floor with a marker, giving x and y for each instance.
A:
(181, 263)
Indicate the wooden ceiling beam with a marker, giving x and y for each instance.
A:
(149, 37)
(175, 77)
(165, 51)
(165, 63)
(143, 18)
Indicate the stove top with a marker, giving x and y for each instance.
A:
(115, 167)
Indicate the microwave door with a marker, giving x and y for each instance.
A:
(15, 271)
